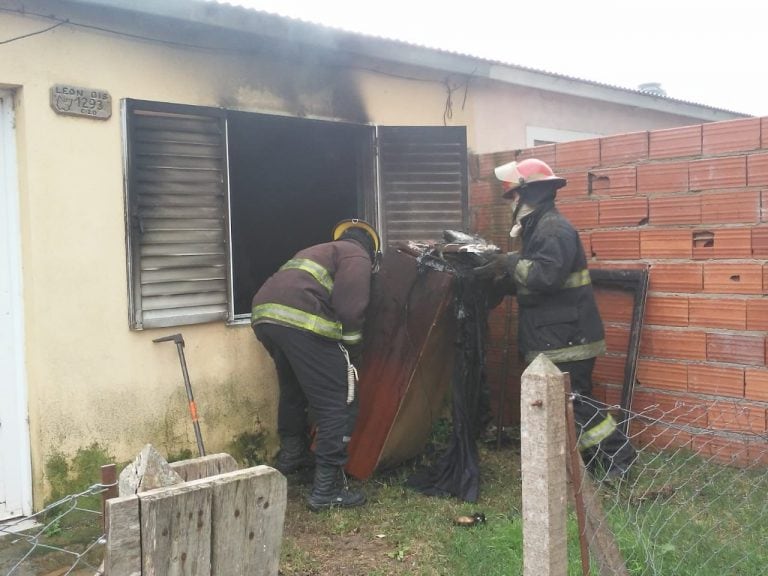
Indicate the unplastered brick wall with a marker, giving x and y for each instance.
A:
(691, 205)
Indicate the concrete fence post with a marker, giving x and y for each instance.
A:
(543, 462)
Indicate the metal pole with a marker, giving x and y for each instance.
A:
(575, 467)
(109, 480)
(179, 340)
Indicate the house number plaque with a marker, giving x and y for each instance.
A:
(79, 101)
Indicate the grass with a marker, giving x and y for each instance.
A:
(679, 516)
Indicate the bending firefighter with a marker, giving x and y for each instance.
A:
(309, 316)
(558, 315)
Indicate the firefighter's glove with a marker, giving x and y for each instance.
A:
(498, 266)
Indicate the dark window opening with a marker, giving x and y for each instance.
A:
(290, 181)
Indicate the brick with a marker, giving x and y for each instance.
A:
(743, 278)
(623, 212)
(730, 207)
(757, 314)
(757, 170)
(757, 453)
(612, 398)
(674, 210)
(663, 375)
(676, 277)
(764, 206)
(764, 132)
(736, 349)
(623, 148)
(765, 279)
(722, 243)
(576, 187)
(756, 384)
(664, 243)
(586, 242)
(718, 313)
(609, 369)
(581, 214)
(545, 153)
(577, 154)
(716, 380)
(615, 305)
(620, 181)
(658, 437)
(675, 142)
(666, 178)
(673, 344)
(713, 173)
(483, 193)
(670, 409)
(666, 311)
(617, 338)
(722, 450)
(616, 245)
(736, 417)
(731, 136)
(760, 242)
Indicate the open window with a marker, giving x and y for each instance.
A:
(217, 200)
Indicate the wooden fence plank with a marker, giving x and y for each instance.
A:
(248, 515)
(122, 555)
(205, 466)
(176, 530)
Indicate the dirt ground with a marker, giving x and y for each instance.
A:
(347, 549)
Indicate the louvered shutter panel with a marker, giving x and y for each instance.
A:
(177, 207)
(422, 181)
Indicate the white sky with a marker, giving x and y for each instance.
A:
(705, 52)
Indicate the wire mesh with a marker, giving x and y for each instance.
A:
(694, 501)
(66, 538)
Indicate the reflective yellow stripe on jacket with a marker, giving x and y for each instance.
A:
(297, 318)
(352, 338)
(311, 267)
(574, 280)
(597, 434)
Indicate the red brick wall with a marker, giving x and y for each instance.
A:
(691, 204)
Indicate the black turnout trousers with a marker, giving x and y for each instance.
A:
(588, 413)
(312, 374)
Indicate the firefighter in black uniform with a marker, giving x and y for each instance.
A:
(558, 316)
(309, 316)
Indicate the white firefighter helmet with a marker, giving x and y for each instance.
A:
(516, 176)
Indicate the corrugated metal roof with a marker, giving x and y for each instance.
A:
(249, 20)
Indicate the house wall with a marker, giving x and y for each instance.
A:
(90, 378)
(690, 204)
(505, 117)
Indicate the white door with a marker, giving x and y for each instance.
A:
(15, 480)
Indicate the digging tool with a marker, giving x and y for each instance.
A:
(179, 340)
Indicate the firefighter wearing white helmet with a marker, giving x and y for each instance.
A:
(309, 315)
(558, 315)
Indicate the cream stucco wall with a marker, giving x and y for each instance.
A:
(502, 116)
(90, 378)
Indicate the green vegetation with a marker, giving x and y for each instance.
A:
(710, 523)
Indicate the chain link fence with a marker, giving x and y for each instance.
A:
(65, 538)
(695, 502)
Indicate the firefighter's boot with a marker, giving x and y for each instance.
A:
(328, 492)
(294, 455)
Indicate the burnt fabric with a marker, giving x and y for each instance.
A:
(312, 375)
(457, 472)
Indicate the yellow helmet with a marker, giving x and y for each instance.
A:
(344, 225)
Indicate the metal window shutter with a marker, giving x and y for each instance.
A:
(177, 206)
(422, 181)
